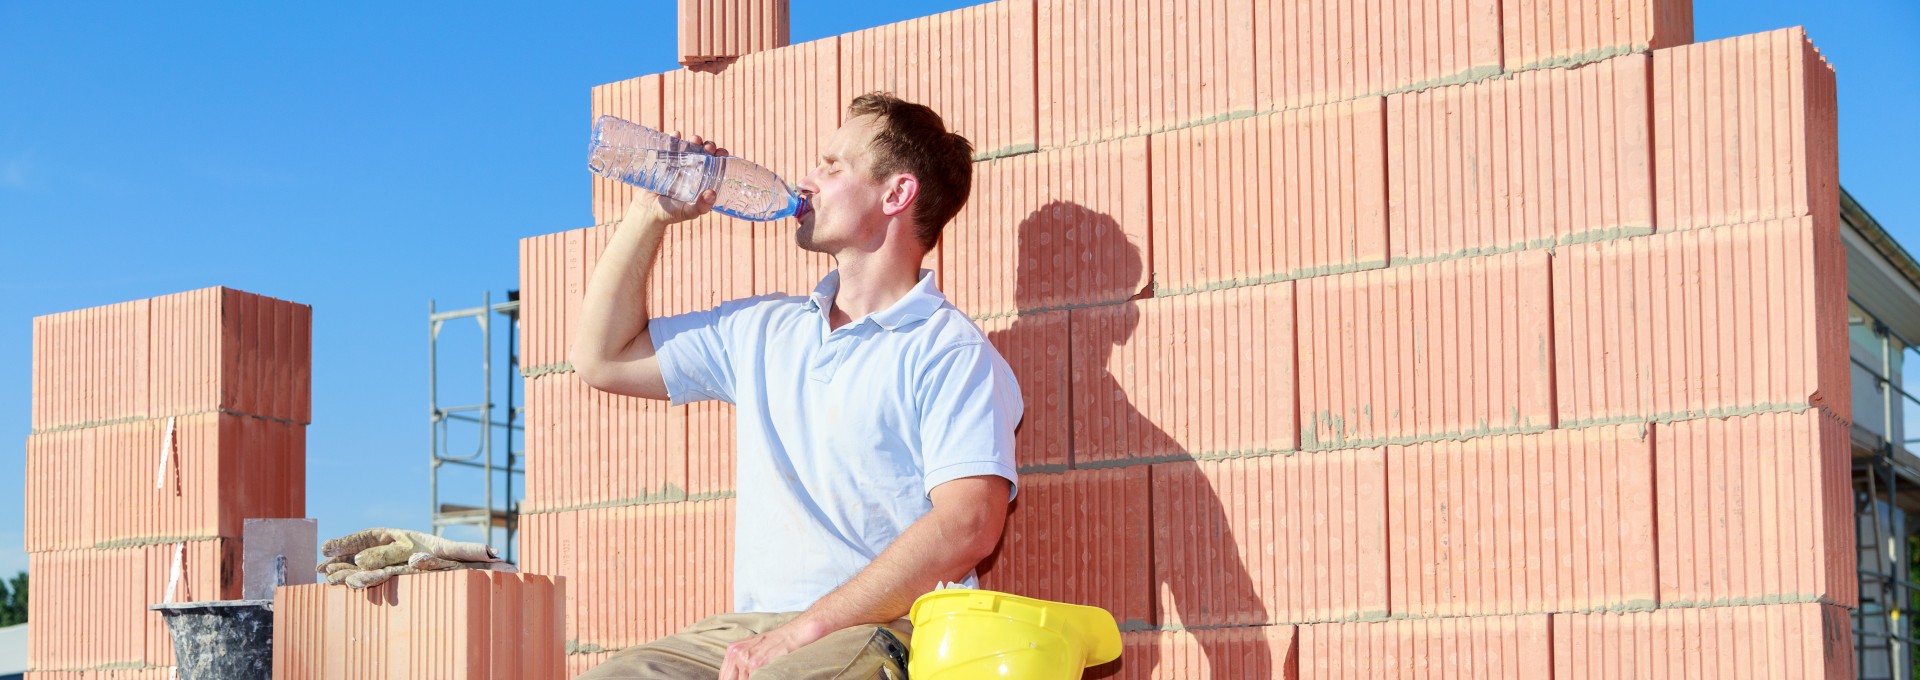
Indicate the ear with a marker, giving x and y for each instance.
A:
(901, 190)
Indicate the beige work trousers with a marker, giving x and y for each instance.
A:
(859, 653)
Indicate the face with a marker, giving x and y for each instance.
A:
(845, 197)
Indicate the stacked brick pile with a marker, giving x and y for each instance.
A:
(159, 425)
(1428, 337)
(465, 625)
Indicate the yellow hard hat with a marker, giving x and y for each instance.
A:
(963, 633)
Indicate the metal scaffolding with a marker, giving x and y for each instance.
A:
(1886, 492)
(496, 512)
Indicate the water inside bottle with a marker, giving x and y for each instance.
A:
(743, 197)
(679, 175)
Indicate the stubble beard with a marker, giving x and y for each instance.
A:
(803, 236)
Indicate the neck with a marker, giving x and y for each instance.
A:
(871, 284)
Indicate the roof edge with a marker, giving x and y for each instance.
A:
(1857, 217)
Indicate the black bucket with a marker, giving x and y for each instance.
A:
(221, 639)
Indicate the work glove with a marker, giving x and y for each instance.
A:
(368, 558)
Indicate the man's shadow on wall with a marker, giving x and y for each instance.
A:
(1095, 242)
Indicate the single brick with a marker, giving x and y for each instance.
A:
(1556, 521)
(233, 351)
(1272, 539)
(1744, 130)
(1057, 229)
(668, 564)
(1533, 160)
(1111, 70)
(589, 447)
(1441, 350)
(219, 470)
(1710, 322)
(1756, 509)
(718, 30)
(1079, 537)
(1204, 375)
(1280, 196)
(1310, 52)
(91, 365)
(59, 490)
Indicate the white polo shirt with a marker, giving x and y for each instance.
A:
(843, 433)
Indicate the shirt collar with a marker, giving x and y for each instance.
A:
(917, 305)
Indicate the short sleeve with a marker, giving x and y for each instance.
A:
(969, 405)
(694, 353)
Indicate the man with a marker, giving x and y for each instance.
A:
(875, 421)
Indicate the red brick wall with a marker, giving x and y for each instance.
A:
(1359, 339)
(230, 373)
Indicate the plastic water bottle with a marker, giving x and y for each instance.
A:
(657, 162)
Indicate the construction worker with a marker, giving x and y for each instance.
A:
(875, 421)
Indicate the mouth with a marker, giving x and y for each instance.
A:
(804, 211)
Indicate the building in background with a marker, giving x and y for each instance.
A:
(13, 652)
(1883, 318)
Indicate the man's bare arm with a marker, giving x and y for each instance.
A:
(612, 350)
(962, 529)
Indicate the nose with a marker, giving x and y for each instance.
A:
(807, 186)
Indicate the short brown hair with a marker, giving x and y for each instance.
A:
(912, 139)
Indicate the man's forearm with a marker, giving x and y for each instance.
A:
(614, 311)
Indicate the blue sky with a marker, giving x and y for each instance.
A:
(365, 158)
